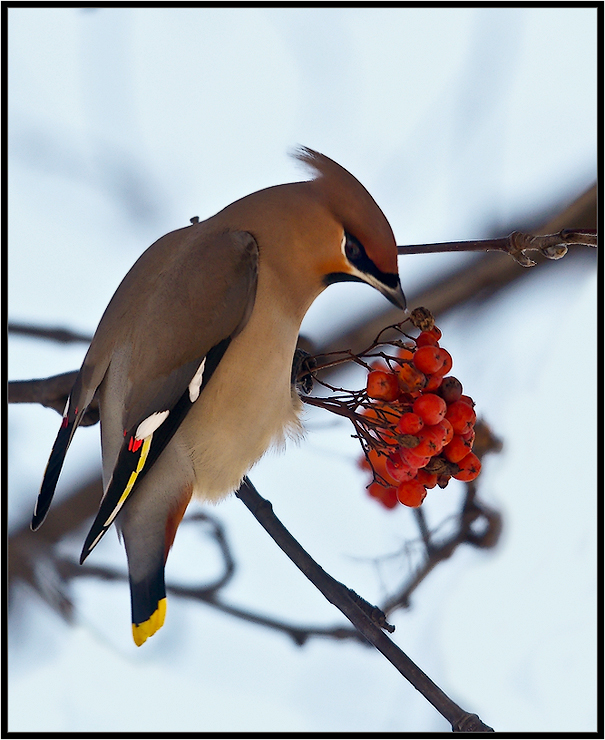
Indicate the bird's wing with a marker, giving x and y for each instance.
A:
(160, 339)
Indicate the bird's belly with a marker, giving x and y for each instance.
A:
(247, 406)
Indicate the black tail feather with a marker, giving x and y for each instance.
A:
(51, 474)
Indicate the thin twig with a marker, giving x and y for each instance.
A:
(70, 568)
(552, 246)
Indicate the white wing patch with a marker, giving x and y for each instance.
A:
(196, 382)
(148, 426)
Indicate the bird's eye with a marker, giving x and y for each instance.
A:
(353, 249)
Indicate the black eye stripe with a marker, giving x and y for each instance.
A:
(356, 254)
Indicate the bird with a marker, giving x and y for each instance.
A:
(192, 360)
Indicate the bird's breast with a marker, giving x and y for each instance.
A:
(247, 405)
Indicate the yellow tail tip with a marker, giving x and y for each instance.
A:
(140, 632)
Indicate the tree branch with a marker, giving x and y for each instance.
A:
(57, 334)
(357, 612)
(52, 393)
(552, 246)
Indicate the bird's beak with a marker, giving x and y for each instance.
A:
(394, 294)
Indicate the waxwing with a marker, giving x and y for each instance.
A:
(192, 358)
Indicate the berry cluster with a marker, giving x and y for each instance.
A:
(421, 425)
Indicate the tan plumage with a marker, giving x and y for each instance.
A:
(192, 358)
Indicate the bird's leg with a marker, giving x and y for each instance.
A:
(303, 365)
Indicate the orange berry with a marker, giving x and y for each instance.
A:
(428, 480)
(457, 449)
(429, 360)
(410, 378)
(447, 363)
(411, 493)
(378, 464)
(461, 416)
(426, 338)
(382, 385)
(436, 332)
(375, 490)
(446, 429)
(470, 467)
(430, 408)
(386, 496)
(431, 442)
(385, 418)
(433, 382)
(469, 436)
(398, 469)
(405, 353)
(389, 498)
(363, 463)
(409, 457)
(409, 423)
(469, 400)
(381, 412)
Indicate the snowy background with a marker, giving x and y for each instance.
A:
(126, 122)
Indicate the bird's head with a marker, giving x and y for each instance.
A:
(363, 248)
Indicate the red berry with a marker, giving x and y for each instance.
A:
(436, 332)
(386, 496)
(363, 463)
(433, 382)
(470, 467)
(469, 400)
(382, 385)
(411, 493)
(430, 442)
(461, 416)
(447, 362)
(447, 431)
(450, 389)
(375, 490)
(430, 408)
(398, 469)
(469, 436)
(428, 480)
(389, 498)
(431, 360)
(409, 457)
(409, 423)
(457, 449)
(426, 338)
